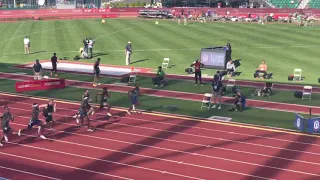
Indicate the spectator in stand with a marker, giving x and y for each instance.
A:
(230, 69)
(37, 70)
(54, 62)
(263, 68)
(197, 71)
(26, 42)
(159, 77)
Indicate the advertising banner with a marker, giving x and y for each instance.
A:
(45, 84)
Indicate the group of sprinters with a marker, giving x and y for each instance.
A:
(48, 109)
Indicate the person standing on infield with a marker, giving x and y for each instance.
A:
(128, 52)
(197, 71)
(26, 42)
(37, 70)
(54, 61)
(85, 44)
(96, 71)
(90, 46)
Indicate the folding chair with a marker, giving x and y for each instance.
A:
(231, 83)
(297, 74)
(307, 92)
(132, 77)
(206, 101)
(165, 63)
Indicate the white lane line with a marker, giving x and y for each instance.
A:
(188, 134)
(26, 172)
(98, 159)
(177, 162)
(172, 150)
(62, 165)
(131, 125)
(38, 32)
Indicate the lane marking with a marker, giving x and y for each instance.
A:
(26, 172)
(138, 119)
(98, 159)
(173, 161)
(175, 117)
(62, 165)
(167, 149)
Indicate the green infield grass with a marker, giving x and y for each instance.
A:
(283, 46)
(249, 116)
(188, 86)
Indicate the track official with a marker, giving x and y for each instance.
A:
(37, 70)
(128, 52)
(197, 71)
(26, 43)
(54, 62)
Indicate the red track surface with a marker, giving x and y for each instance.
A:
(152, 146)
(180, 95)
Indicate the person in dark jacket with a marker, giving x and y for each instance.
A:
(197, 71)
(228, 52)
(37, 68)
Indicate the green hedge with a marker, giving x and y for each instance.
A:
(126, 5)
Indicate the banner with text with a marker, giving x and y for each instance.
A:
(45, 84)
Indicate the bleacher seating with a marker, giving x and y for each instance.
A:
(314, 4)
(285, 3)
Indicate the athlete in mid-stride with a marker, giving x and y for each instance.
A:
(48, 111)
(134, 97)
(105, 95)
(84, 113)
(85, 94)
(6, 117)
(35, 121)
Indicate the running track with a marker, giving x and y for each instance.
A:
(152, 146)
(286, 107)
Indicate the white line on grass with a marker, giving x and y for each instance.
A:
(38, 32)
(127, 29)
(169, 49)
(26, 172)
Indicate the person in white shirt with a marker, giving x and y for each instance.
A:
(128, 52)
(84, 54)
(26, 43)
(90, 46)
(230, 68)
